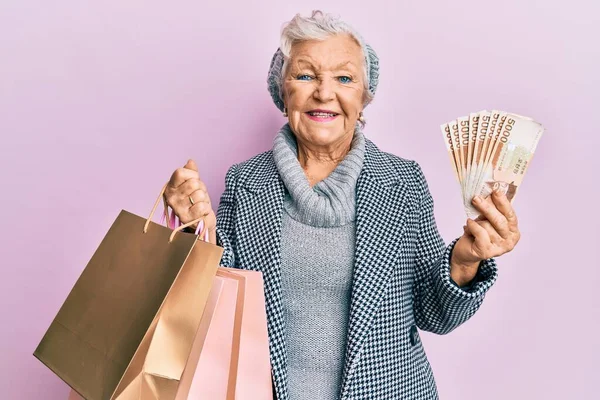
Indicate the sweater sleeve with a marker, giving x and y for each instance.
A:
(225, 219)
(440, 305)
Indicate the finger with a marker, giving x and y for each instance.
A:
(466, 231)
(190, 186)
(503, 205)
(200, 210)
(477, 231)
(199, 196)
(495, 237)
(181, 175)
(481, 237)
(502, 245)
(191, 164)
(490, 212)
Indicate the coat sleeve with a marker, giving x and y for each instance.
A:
(440, 305)
(225, 219)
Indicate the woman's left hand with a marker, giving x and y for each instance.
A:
(492, 234)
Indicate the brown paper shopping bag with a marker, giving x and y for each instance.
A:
(127, 328)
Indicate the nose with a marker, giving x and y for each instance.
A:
(324, 91)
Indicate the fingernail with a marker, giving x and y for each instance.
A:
(476, 199)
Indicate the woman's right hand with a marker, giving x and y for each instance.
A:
(187, 195)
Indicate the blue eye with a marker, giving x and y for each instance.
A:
(345, 79)
(302, 77)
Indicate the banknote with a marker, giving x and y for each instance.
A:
(491, 139)
(479, 150)
(471, 166)
(450, 148)
(463, 127)
(514, 150)
(453, 125)
(490, 150)
(494, 116)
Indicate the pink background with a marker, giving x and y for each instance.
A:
(101, 101)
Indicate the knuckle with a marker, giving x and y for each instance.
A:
(194, 184)
(499, 220)
(516, 238)
(487, 210)
(169, 190)
(178, 172)
(195, 212)
(482, 205)
(169, 198)
(200, 209)
(201, 195)
(175, 177)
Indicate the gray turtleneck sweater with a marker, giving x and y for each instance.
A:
(317, 260)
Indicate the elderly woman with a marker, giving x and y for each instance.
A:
(344, 233)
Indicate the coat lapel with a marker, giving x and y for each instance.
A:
(380, 213)
(263, 193)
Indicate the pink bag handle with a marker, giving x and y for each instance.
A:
(173, 220)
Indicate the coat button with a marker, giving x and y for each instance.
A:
(414, 335)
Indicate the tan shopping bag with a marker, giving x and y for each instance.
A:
(127, 328)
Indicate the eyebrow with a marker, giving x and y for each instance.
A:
(337, 67)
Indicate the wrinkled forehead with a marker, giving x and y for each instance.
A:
(329, 54)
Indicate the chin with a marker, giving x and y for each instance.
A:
(325, 135)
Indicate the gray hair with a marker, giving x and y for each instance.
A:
(319, 26)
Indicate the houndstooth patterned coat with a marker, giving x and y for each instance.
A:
(401, 274)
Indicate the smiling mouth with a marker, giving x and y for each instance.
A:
(321, 116)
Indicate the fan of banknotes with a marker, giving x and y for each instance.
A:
(490, 150)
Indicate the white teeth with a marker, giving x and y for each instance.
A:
(318, 114)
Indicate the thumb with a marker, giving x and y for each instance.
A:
(191, 164)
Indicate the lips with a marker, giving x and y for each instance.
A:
(321, 116)
(319, 113)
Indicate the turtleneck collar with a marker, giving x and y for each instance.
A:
(332, 201)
